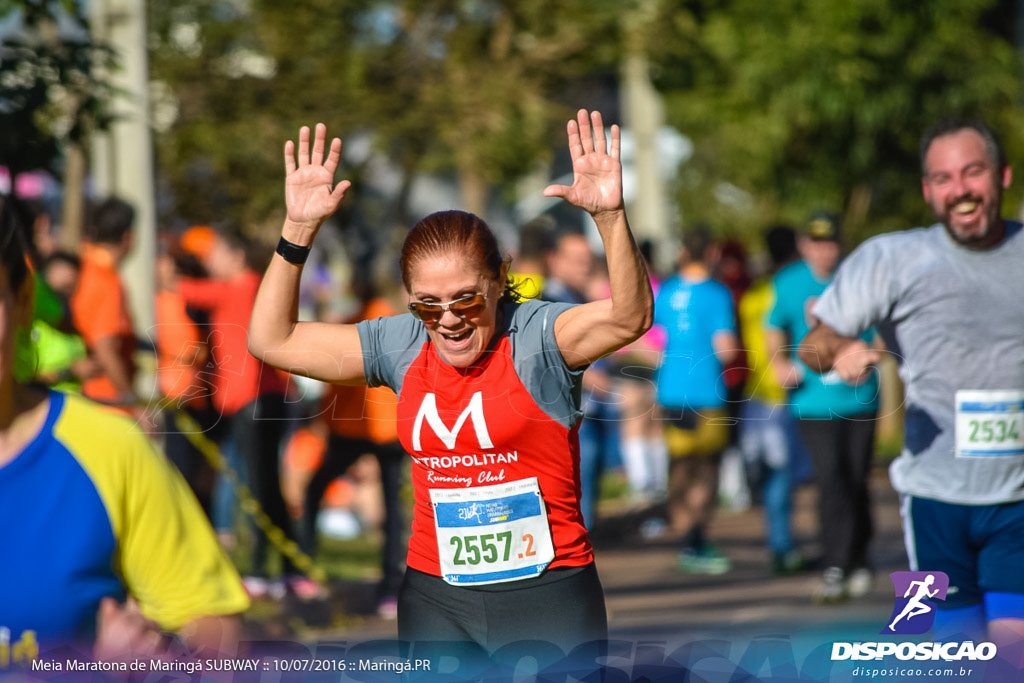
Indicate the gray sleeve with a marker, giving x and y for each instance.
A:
(389, 347)
(863, 292)
(538, 361)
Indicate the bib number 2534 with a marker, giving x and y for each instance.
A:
(989, 423)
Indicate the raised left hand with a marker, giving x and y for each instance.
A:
(597, 172)
(311, 194)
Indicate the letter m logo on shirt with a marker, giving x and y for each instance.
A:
(428, 412)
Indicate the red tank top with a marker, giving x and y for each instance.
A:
(479, 426)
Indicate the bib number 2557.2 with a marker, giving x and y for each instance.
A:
(491, 534)
(490, 548)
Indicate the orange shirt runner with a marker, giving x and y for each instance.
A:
(239, 377)
(99, 309)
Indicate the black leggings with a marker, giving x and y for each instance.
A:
(562, 608)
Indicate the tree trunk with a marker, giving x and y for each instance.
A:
(857, 212)
(73, 211)
(474, 192)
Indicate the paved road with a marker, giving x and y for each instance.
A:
(745, 625)
(649, 598)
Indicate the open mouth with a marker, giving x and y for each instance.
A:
(966, 207)
(457, 340)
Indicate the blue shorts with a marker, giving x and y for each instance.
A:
(980, 548)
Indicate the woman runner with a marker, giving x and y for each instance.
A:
(488, 398)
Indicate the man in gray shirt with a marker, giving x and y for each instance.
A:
(948, 301)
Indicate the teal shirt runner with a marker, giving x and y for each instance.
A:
(818, 397)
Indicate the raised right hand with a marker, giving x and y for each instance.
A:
(310, 193)
(596, 170)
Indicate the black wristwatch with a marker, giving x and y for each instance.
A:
(293, 253)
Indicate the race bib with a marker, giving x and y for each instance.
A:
(989, 423)
(491, 534)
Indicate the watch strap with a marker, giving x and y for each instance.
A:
(293, 253)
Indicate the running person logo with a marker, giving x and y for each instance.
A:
(914, 611)
(470, 512)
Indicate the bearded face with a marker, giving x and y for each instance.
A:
(964, 188)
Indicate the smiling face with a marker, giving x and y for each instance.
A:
(964, 187)
(447, 277)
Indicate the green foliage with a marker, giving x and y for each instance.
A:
(801, 104)
(792, 105)
(50, 93)
(467, 88)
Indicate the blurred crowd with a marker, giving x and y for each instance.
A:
(709, 408)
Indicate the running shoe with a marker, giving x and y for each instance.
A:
(706, 560)
(787, 564)
(832, 589)
(653, 528)
(860, 582)
(277, 589)
(387, 608)
(256, 586)
(305, 588)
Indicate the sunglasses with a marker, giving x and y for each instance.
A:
(468, 306)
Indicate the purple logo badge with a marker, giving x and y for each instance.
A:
(914, 610)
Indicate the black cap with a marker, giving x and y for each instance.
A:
(822, 226)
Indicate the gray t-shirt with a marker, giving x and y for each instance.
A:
(391, 344)
(954, 319)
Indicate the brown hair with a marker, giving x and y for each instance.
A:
(993, 145)
(459, 232)
(13, 246)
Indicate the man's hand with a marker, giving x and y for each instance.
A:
(823, 349)
(855, 362)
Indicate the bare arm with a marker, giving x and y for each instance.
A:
(588, 332)
(107, 353)
(726, 346)
(824, 349)
(124, 634)
(787, 373)
(325, 351)
(216, 635)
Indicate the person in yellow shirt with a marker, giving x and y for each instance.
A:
(110, 549)
(529, 269)
(767, 434)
